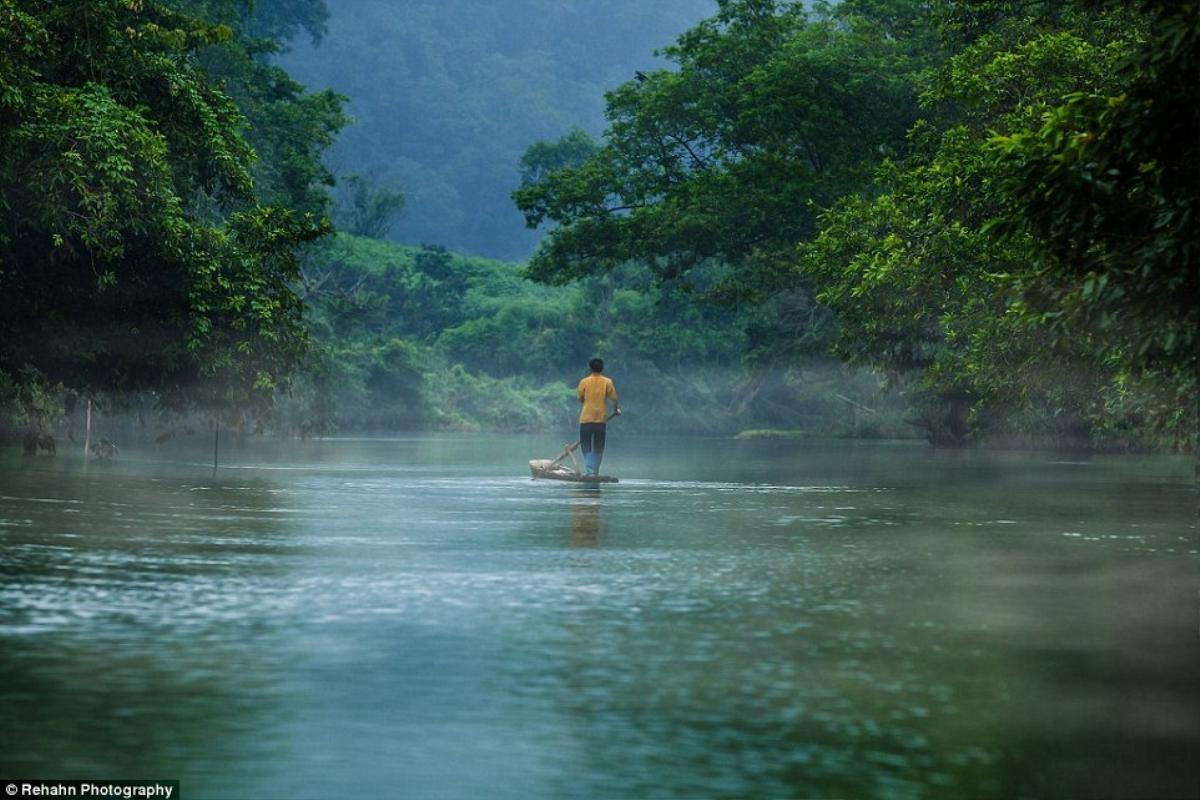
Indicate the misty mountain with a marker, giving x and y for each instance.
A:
(447, 94)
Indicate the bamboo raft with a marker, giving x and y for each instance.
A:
(554, 469)
(540, 468)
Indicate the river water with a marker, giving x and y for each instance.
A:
(414, 618)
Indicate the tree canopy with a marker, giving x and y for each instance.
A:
(992, 199)
(136, 251)
(1107, 182)
(769, 113)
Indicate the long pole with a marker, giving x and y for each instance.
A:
(571, 448)
(87, 436)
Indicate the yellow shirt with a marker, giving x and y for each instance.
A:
(592, 391)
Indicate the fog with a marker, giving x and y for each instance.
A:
(446, 95)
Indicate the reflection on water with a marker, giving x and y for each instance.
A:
(411, 617)
(585, 516)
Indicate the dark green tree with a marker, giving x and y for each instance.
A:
(769, 115)
(288, 128)
(1107, 181)
(134, 253)
(919, 286)
(542, 159)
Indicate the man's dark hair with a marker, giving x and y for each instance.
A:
(596, 365)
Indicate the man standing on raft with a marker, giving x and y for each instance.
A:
(594, 391)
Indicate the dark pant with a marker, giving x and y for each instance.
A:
(591, 442)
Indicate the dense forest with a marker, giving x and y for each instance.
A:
(419, 337)
(969, 221)
(993, 199)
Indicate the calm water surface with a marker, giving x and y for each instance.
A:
(415, 618)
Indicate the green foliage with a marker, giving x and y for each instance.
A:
(768, 115)
(989, 203)
(287, 127)
(246, 331)
(134, 254)
(461, 400)
(743, 175)
(377, 312)
(27, 404)
(543, 158)
(522, 335)
(1107, 183)
(918, 284)
(711, 173)
(420, 337)
(376, 382)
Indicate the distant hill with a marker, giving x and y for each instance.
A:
(447, 94)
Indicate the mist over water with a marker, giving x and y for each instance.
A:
(415, 617)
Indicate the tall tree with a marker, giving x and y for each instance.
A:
(920, 287)
(711, 172)
(288, 127)
(1108, 181)
(768, 115)
(134, 253)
